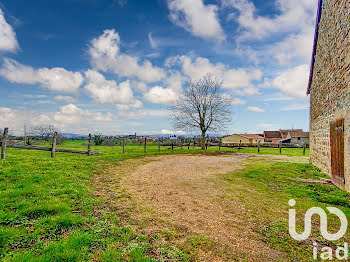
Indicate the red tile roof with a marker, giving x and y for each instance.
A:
(272, 134)
(275, 140)
(285, 132)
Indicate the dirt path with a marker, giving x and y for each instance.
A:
(181, 192)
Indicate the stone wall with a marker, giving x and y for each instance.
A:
(330, 87)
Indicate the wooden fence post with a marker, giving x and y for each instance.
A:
(53, 149)
(172, 145)
(239, 146)
(158, 144)
(220, 144)
(280, 146)
(25, 135)
(144, 148)
(194, 143)
(4, 143)
(259, 147)
(123, 145)
(188, 145)
(206, 144)
(89, 145)
(304, 149)
(181, 144)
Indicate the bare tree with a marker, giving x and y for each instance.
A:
(202, 105)
(43, 131)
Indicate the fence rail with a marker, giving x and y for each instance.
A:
(187, 143)
(50, 149)
(5, 143)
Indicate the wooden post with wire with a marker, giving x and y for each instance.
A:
(258, 146)
(144, 148)
(4, 143)
(53, 148)
(123, 145)
(89, 145)
(25, 135)
(158, 144)
(280, 146)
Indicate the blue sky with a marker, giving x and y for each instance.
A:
(112, 66)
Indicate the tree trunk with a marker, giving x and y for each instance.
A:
(203, 140)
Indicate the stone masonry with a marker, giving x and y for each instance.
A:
(330, 86)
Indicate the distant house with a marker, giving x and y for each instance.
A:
(291, 136)
(141, 139)
(243, 138)
(329, 89)
(295, 136)
(272, 136)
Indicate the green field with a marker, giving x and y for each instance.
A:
(49, 210)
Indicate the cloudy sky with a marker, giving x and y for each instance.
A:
(114, 65)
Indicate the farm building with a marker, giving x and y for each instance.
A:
(295, 136)
(272, 135)
(329, 89)
(291, 136)
(243, 138)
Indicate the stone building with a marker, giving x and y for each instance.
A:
(329, 89)
(295, 136)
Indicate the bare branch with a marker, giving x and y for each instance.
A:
(202, 105)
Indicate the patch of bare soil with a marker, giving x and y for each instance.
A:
(180, 193)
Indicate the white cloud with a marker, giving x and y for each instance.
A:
(294, 45)
(140, 86)
(56, 79)
(276, 97)
(238, 101)
(293, 82)
(104, 91)
(160, 95)
(170, 132)
(39, 102)
(68, 99)
(15, 119)
(196, 17)
(145, 113)
(296, 107)
(135, 104)
(34, 96)
(105, 55)
(239, 78)
(293, 15)
(59, 79)
(174, 81)
(7, 35)
(255, 109)
(152, 42)
(71, 114)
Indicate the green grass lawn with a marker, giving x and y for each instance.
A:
(48, 210)
(273, 184)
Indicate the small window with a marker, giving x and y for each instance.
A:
(298, 138)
